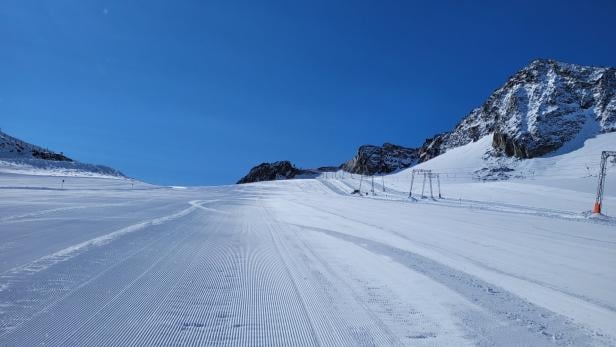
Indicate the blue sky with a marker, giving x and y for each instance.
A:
(197, 92)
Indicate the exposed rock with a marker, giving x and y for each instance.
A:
(385, 159)
(49, 155)
(431, 147)
(271, 171)
(538, 110)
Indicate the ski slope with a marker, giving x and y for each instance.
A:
(108, 262)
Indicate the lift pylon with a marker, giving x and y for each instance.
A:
(601, 185)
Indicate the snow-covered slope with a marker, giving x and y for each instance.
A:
(305, 263)
(477, 161)
(471, 175)
(17, 156)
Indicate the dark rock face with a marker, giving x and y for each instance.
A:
(48, 155)
(431, 147)
(385, 159)
(538, 110)
(518, 149)
(271, 171)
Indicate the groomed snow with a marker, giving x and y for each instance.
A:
(303, 262)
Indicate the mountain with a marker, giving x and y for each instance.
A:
(272, 171)
(381, 159)
(538, 110)
(20, 156)
(545, 107)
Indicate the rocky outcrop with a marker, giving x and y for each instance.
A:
(49, 155)
(538, 110)
(271, 171)
(381, 159)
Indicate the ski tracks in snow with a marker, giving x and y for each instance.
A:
(230, 272)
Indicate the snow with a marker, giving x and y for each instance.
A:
(17, 156)
(104, 261)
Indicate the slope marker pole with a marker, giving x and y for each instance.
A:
(412, 179)
(372, 184)
(361, 179)
(430, 178)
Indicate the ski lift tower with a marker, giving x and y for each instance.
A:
(425, 173)
(600, 186)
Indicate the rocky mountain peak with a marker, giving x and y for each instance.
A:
(381, 159)
(539, 109)
(271, 171)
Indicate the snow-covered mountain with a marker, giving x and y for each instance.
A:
(547, 106)
(22, 157)
(538, 110)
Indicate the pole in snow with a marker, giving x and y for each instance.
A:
(438, 180)
(62, 185)
(601, 185)
(423, 186)
(430, 178)
(412, 179)
(383, 182)
(372, 184)
(361, 179)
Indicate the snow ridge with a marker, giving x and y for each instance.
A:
(18, 156)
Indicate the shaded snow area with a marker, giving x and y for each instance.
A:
(108, 262)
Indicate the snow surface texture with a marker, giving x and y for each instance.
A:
(17, 156)
(304, 262)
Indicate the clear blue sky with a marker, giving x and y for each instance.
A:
(197, 92)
